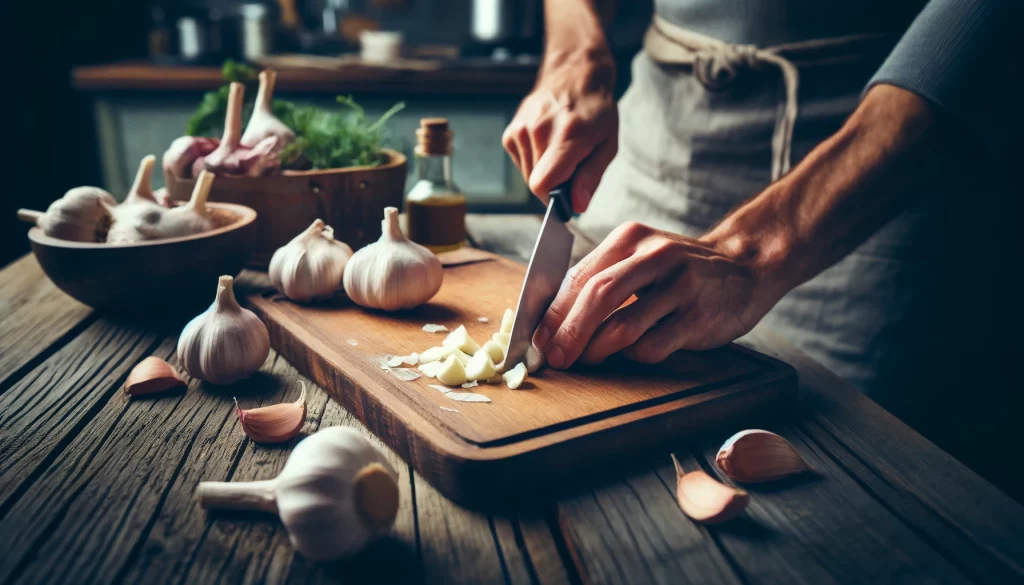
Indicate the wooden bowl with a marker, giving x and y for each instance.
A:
(167, 276)
(351, 200)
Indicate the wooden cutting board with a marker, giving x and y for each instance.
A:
(555, 426)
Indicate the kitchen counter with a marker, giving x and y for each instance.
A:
(97, 489)
(451, 80)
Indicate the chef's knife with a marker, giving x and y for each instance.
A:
(544, 275)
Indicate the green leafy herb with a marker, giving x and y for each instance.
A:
(325, 139)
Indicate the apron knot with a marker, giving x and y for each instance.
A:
(717, 66)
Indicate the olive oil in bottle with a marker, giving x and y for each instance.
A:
(435, 208)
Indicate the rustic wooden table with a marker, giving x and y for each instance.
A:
(95, 489)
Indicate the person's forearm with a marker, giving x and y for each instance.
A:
(575, 26)
(842, 192)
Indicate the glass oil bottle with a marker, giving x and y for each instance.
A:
(435, 209)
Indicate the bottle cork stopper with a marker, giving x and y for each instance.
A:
(433, 137)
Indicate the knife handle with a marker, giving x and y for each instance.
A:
(561, 196)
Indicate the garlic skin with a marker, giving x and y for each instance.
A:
(226, 343)
(704, 499)
(263, 123)
(278, 423)
(310, 267)
(754, 456)
(393, 273)
(336, 494)
(81, 215)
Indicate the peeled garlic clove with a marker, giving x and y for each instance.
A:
(150, 376)
(461, 340)
(435, 354)
(534, 359)
(480, 367)
(452, 372)
(706, 500)
(516, 376)
(225, 343)
(502, 339)
(461, 356)
(507, 321)
(393, 273)
(754, 456)
(494, 351)
(310, 267)
(278, 423)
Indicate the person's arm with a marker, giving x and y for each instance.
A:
(568, 123)
(704, 293)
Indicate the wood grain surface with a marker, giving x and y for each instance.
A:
(556, 424)
(95, 489)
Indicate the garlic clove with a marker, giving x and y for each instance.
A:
(535, 359)
(435, 354)
(431, 369)
(507, 320)
(452, 372)
(706, 500)
(502, 339)
(393, 273)
(462, 356)
(278, 423)
(461, 340)
(226, 343)
(494, 351)
(150, 376)
(480, 367)
(311, 265)
(262, 122)
(515, 377)
(755, 455)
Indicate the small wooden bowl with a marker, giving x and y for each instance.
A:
(166, 276)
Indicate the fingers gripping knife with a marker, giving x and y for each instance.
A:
(547, 269)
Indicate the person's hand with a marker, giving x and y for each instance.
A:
(690, 296)
(567, 123)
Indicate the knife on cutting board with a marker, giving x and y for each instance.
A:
(548, 266)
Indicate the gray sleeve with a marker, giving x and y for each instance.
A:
(959, 55)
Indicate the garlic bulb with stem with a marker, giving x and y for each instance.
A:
(336, 494)
(310, 267)
(393, 273)
(263, 122)
(226, 342)
(182, 154)
(81, 215)
(142, 188)
(231, 157)
(139, 211)
(145, 220)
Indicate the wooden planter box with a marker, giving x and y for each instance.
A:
(351, 200)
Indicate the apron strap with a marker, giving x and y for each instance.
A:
(716, 64)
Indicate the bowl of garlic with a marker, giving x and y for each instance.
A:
(139, 256)
(291, 174)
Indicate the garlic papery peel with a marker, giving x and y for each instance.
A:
(336, 494)
(310, 267)
(515, 377)
(393, 273)
(226, 342)
(755, 455)
(150, 376)
(81, 215)
(706, 500)
(263, 122)
(273, 424)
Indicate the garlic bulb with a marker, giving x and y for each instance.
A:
(144, 220)
(336, 494)
(754, 455)
(277, 423)
(310, 266)
(230, 157)
(81, 215)
(182, 154)
(392, 273)
(226, 343)
(139, 211)
(263, 122)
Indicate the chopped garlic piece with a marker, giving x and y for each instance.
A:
(452, 373)
(515, 377)
(461, 340)
(462, 357)
(483, 319)
(506, 321)
(480, 367)
(435, 354)
(430, 369)
(434, 328)
(467, 397)
(502, 339)
(494, 351)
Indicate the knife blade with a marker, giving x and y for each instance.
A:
(548, 266)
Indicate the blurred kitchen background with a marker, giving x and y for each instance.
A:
(95, 86)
